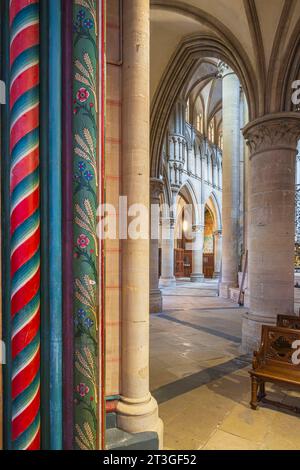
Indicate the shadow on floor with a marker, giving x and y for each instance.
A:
(203, 377)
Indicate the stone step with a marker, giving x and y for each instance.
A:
(116, 439)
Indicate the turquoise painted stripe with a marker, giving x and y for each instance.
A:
(26, 313)
(23, 273)
(26, 354)
(55, 225)
(24, 145)
(29, 56)
(25, 16)
(24, 187)
(20, 402)
(26, 101)
(28, 226)
(23, 441)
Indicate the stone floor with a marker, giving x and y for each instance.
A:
(200, 380)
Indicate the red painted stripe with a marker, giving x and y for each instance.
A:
(25, 81)
(24, 295)
(26, 376)
(24, 210)
(26, 335)
(24, 167)
(25, 39)
(16, 6)
(26, 418)
(25, 251)
(25, 124)
(35, 445)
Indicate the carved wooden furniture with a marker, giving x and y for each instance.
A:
(274, 363)
(288, 321)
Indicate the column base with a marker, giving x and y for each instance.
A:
(197, 277)
(135, 416)
(224, 291)
(155, 301)
(216, 275)
(251, 331)
(167, 281)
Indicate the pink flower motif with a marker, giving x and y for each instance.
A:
(82, 389)
(82, 94)
(83, 241)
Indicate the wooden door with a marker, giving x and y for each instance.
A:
(179, 262)
(188, 263)
(208, 265)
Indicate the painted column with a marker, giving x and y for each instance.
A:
(156, 187)
(85, 242)
(217, 253)
(197, 246)
(55, 227)
(67, 223)
(137, 410)
(231, 179)
(272, 140)
(25, 223)
(167, 277)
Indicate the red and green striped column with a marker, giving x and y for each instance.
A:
(25, 223)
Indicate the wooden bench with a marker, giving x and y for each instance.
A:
(273, 363)
(288, 321)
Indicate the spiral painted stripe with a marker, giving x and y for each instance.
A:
(25, 223)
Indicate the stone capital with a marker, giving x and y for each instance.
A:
(218, 233)
(273, 131)
(198, 228)
(156, 187)
(224, 70)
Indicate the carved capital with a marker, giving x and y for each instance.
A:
(198, 228)
(223, 70)
(156, 187)
(218, 234)
(274, 131)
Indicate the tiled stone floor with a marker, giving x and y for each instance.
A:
(200, 380)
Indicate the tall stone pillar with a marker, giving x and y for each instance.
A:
(156, 186)
(231, 178)
(217, 253)
(167, 277)
(137, 410)
(198, 244)
(272, 141)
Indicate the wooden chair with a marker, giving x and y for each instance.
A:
(273, 363)
(288, 321)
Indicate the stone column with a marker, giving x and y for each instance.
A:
(272, 141)
(217, 253)
(231, 177)
(137, 411)
(156, 186)
(167, 277)
(198, 243)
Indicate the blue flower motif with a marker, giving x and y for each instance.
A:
(88, 175)
(81, 166)
(88, 24)
(88, 322)
(81, 15)
(81, 313)
(75, 27)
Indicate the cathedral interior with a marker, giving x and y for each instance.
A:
(178, 337)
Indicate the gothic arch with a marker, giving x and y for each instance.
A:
(188, 192)
(181, 65)
(214, 206)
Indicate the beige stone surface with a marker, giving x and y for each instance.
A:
(200, 378)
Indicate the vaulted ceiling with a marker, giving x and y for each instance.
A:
(264, 34)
